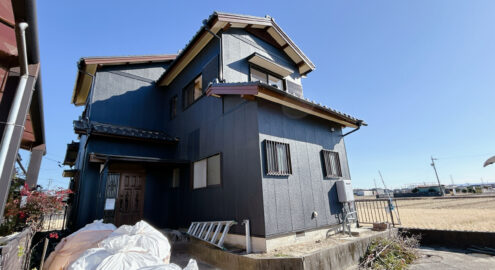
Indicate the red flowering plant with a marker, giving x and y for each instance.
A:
(29, 208)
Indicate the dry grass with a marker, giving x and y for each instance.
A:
(472, 214)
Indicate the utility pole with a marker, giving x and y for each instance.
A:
(385, 186)
(49, 183)
(436, 173)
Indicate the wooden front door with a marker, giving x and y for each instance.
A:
(130, 202)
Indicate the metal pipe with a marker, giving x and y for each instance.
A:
(248, 236)
(16, 103)
(359, 124)
(220, 57)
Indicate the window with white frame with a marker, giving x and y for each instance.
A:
(277, 158)
(207, 172)
(331, 162)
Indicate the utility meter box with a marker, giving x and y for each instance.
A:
(344, 191)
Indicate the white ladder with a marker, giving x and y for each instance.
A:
(209, 231)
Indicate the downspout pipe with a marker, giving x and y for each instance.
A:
(359, 124)
(16, 103)
(220, 56)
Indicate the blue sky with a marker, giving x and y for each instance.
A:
(420, 73)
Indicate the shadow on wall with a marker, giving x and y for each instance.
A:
(140, 108)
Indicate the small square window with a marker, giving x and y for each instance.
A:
(331, 162)
(277, 158)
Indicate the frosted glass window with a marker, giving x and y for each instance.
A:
(213, 171)
(199, 174)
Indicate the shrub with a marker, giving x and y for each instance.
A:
(29, 207)
(390, 253)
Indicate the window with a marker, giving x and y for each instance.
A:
(175, 178)
(192, 91)
(173, 107)
(331, 161)
(207, 172)
(277, 158)
(264, 77)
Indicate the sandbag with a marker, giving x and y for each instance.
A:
(74, 245)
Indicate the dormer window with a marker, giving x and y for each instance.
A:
(266, 77)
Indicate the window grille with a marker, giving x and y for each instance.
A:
(277, 158)
(331, 161)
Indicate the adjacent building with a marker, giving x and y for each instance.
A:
(21, 104)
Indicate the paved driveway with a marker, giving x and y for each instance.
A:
(443, 258)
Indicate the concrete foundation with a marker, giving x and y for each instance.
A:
(338, 256)
(260, 244)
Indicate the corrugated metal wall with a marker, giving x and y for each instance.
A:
(289, 201)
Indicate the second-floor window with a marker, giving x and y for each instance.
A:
(331, 161)
(265, 77)
(192, 91)
(277, 158)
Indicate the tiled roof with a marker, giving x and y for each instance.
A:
(83, 127)
(304, 100)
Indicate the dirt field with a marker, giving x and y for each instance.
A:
(473, 214)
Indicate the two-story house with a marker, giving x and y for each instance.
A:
(221, 131)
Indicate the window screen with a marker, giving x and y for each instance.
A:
(277, 158)
(331, 161)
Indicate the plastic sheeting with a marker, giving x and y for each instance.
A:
(72, 246)
(130, 247)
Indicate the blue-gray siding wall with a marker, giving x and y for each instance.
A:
(130, 100)
(290, 201)
(217, 125)
(239, 44)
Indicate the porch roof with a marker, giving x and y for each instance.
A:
(102, 158)
(110, 130)
(273, 94)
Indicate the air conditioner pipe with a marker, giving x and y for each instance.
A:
(16, 103)
(220, 57)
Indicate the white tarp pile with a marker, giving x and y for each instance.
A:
(129, 247)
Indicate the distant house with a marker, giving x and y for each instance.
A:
(221, 131)
(364, 192)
